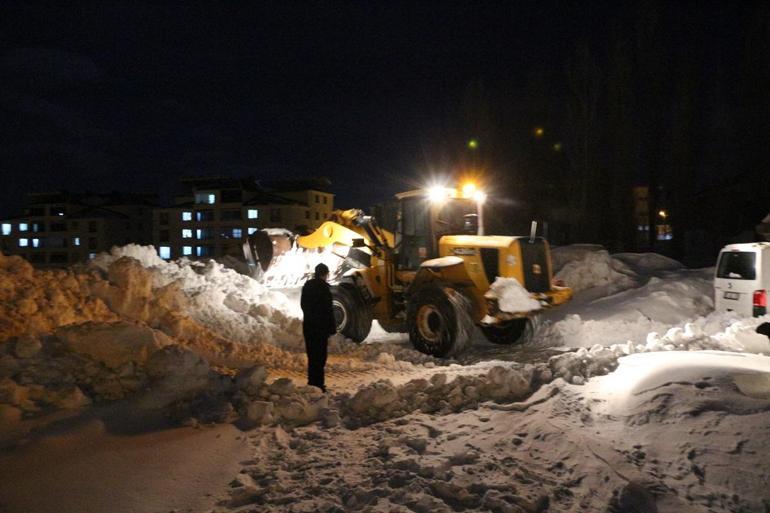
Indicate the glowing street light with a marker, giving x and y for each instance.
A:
(663, 214)
(473, 144)
(539, 131)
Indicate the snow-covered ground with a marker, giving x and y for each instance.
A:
(635, 396)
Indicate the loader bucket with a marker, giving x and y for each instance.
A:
(262, 248)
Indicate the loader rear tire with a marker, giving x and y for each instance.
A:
(507, 333)
(352, 315)
(439, 320)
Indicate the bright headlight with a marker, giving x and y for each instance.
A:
(438, 193)
(479, 196)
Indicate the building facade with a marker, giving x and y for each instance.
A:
(62, 228)
(217, 214)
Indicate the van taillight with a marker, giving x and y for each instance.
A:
(760, 302)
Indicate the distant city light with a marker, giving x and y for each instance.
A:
(473, 144)
(539, 131)
(557, 146)
(6, 228)
(663, 214)
(76, 241)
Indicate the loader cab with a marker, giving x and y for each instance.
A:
(422, 219)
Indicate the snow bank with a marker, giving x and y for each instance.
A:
(562, 255)
(588, 267)
(34, 302)
(232, 305)
(512, 297)
(648, 263)
(674, 299)
(717, 331)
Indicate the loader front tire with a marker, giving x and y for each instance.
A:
(352, 315)
(508, 332)
(439, 320)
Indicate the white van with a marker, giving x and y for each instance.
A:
(742, 279)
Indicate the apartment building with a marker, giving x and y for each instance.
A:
(62, 228)
(217, 214)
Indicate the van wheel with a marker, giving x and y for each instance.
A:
(352, 316)
(507, 333)
(439, 320)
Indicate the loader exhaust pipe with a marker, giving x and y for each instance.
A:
(532, 232)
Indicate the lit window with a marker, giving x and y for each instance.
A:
(205, 197)
(199, 234)
(187, 250)
(6, 228)
(165, 252)
(253, 213)
(187, 234)
(91, 256)
(252, 230)
(186, 216)
(35, 243)
(23, 227)
(23, 243)
(237, 233)
(76, 241)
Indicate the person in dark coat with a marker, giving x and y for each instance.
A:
(318, 324)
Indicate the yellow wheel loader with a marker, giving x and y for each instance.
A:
(429, 277)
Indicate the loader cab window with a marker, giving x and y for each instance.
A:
(452, 220)
(414, 227)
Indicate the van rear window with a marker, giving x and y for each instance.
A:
(737, 265)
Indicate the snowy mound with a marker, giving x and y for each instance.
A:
(590, 267)
(562, 255)
(632, 314)
(234, 306)
(648, 263)
(512, 297)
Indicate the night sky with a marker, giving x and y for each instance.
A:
(375, 95)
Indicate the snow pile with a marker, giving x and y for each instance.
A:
(594, 268)
(232, 305)
(673, 299)
(714, 332)
(512, 297)
(34, 302)
(562, 255)
(648, 263)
